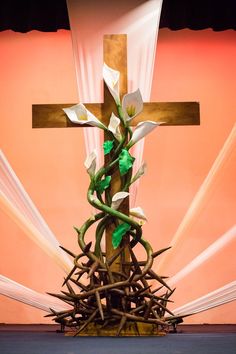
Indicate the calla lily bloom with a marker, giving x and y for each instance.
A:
(138, 213)
(132, 104)
(79, 114)
(118, 198)
(142, 130)
(141, 171)
(114, 126)
(111, 78)
(90, 163)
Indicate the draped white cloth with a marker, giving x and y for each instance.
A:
(15, 201)
(218, 297)
(223, 241)
(16, 291)
(89, 21)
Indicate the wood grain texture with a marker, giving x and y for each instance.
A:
(172, 113)
(52, 115)
(115, 56)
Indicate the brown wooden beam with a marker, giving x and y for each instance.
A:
(172, 113)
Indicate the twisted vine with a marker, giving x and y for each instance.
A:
(95, 198)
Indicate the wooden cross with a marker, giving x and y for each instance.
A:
(172, 113)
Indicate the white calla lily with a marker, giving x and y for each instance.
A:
(79, 114)
(114, 126)
(138, 213)
(118, 198)
(141, 171)
(90, 163)
(132, 104)
(111, 78)
(142, 130)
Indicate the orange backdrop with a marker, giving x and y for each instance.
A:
(190, 66)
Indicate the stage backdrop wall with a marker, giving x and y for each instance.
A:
(190, 66)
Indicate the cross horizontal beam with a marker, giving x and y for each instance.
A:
(172, 113)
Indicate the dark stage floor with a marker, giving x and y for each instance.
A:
(191, 340)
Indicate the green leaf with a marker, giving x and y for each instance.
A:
(125, 162)
(103, 184)
(118, 234)
(108, 146)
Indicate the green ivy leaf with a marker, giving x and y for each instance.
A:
(118, 234)
(108, 146)
(103, 184)
(125, 162)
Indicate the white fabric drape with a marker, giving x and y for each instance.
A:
(218, 297)
(204, 256)
(89, 21)
(15, 202)
(16, 291)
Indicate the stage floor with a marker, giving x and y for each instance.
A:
(191, 340)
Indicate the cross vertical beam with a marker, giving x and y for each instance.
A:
(115, 56)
